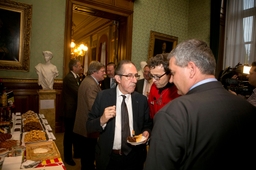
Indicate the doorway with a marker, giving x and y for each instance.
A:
(100, 14)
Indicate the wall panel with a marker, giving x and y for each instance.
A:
(26, 98)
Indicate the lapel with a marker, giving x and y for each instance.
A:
(111, 96)
(94, 82)
(76, 78)
(108, 82)
(135, 110)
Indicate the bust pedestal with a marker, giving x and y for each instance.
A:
(47, 106)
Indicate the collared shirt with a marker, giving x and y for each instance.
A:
(75, 75)
(118, 125)
(112, 83)
(95, 80)
(252, 98)
(203, 82)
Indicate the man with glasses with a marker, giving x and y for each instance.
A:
(87, 93)
(113, 107)
(162, 91)
(207, 127)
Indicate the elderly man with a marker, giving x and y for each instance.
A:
(87, 93)
(205, 128)
(252, 81)
(109, 81)
(118, 113)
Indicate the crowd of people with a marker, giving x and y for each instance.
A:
(187, 118)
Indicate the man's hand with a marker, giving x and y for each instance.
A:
(109, 112)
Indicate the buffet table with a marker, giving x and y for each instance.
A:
(27, 142)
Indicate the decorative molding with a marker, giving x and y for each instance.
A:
(26, 80)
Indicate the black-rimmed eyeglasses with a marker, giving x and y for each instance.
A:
(157, 77)
(130, 76)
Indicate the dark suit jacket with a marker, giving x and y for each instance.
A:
(106, 98)
(105, 84)
(208, 128)
(139, 86)
(69, 95)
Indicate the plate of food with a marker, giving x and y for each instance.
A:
(136, 140)
(3, 151)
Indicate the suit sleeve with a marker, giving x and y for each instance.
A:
(148, 123)
(167, 140)
(93, 121)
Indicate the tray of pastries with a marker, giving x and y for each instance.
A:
(42, 151)
(31, 124)
(6, 141)
(8, 144)
(29, 115)
(34, 136)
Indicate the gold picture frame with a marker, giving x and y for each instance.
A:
(161, 43)
(16, 21)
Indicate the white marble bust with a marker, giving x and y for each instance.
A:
(46, 71)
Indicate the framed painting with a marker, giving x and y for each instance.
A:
(15, 30)
(161, 43)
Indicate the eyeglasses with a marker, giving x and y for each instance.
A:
(130, 76)
(157, 77)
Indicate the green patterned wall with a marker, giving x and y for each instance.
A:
(181, 18)
(199, 20)
(47, 33)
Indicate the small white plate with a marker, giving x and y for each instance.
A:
(138, 143)
(1, 160)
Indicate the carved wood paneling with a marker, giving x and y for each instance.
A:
(26, 97)
(119, 10)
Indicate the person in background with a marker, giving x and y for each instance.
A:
(106, 118)
(87, 93)
(69, 94)
(252, 81)
(162, 91)
(81, 75)
(205, 128)
(140, 72)
(143, 85)
(109, 81)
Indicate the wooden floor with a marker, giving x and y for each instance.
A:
(59, 143)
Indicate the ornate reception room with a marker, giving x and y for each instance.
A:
(39, 38)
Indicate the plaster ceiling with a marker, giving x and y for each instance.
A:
(86, 20)
(84, 24)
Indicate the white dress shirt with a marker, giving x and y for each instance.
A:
(118, 125)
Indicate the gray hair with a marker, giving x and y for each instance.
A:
(196, 51)
(94, 66)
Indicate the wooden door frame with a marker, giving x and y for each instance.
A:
(125, 42)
